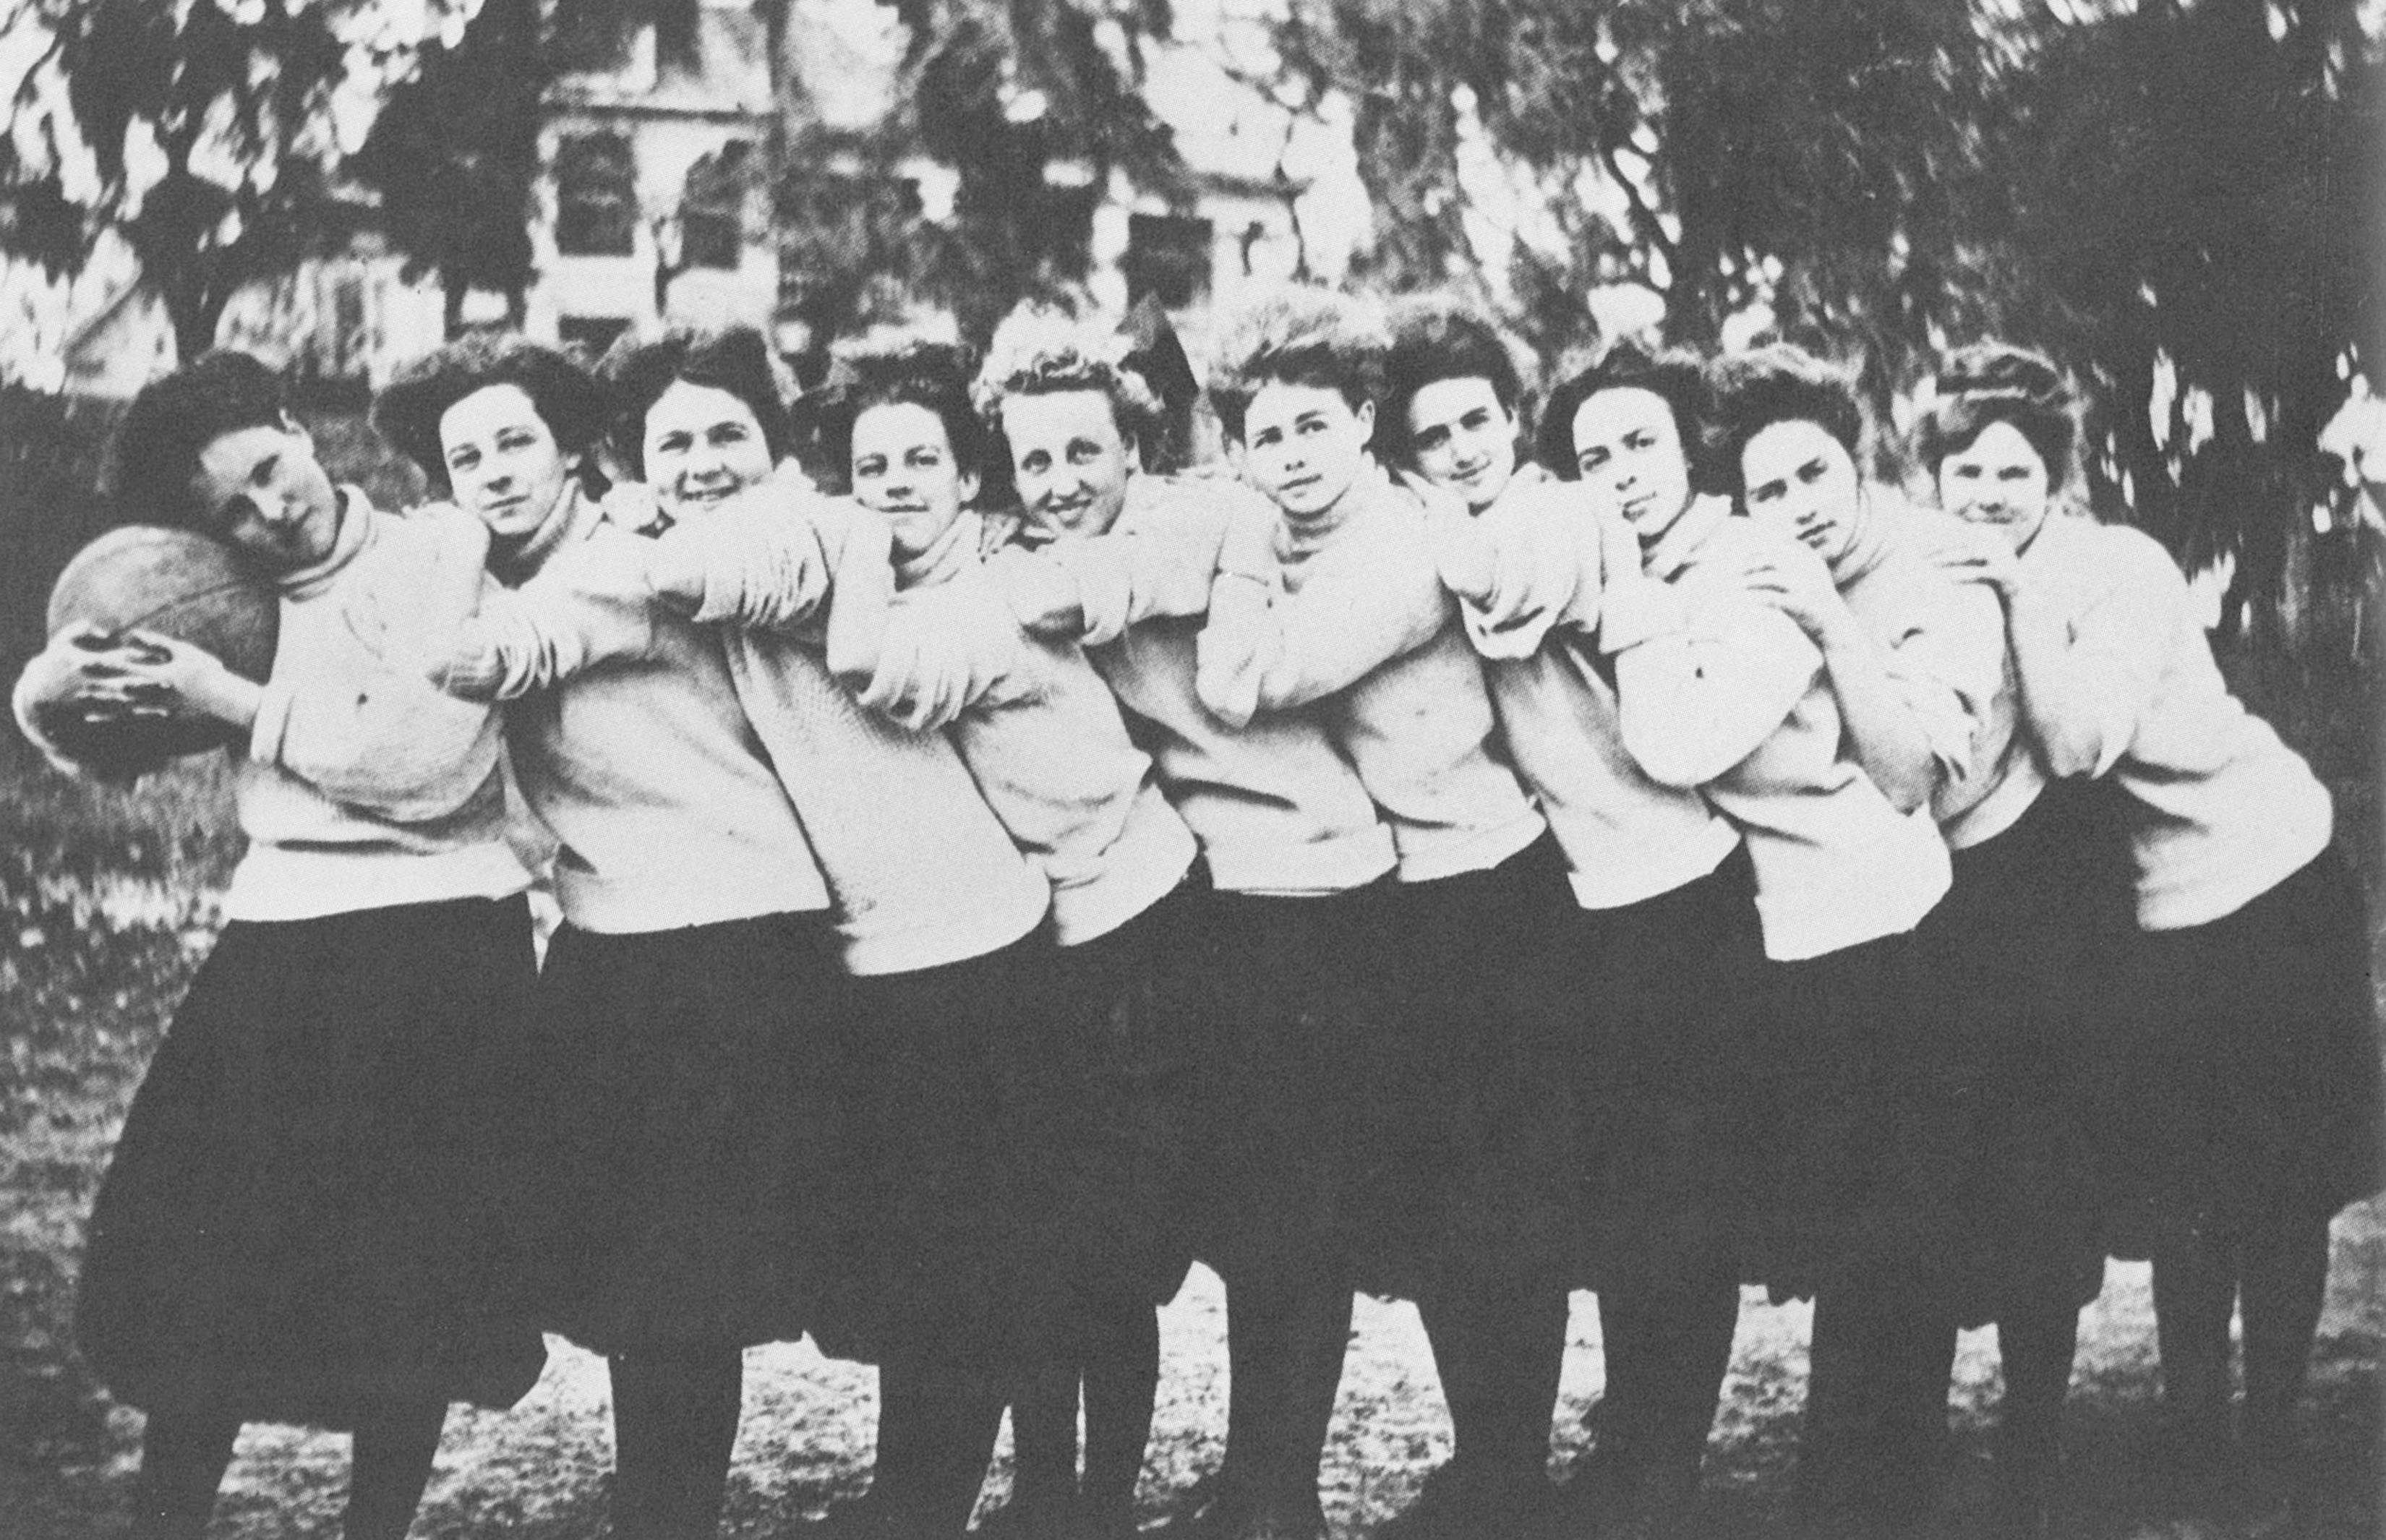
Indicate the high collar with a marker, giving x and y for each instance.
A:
(1673, 550)
(965, 543)
(1867, 544)
(354, 533)
(576, 511)
(1303, 533)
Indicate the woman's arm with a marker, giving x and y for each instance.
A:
(760, 560)
(1892, 740)
(2084, 676)
(1705, 670)
(1374, 597)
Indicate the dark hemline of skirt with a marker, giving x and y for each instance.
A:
(691, 1136)
(314, 1208)
(2240, 1086)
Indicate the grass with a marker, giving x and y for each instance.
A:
(107, 905)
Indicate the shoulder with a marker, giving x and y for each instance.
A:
(1195, 498)
(2115, 554)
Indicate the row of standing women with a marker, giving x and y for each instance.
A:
(1669, 862)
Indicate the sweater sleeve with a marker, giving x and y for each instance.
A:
(2085, 694)
(763, 562)
(1372, 597)
(1160, 566)
(1541, 548)
(591, 605)
(1948, 661)
(1702, 685)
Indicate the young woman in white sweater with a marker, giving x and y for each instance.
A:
(689, 1000)
(1266, 973)
(1982, 1209)
(1457, 1116)
(919, 627)
(910, 1245)
(1719, 688)
(2239, 1105)
(314, 1211)
(1657, 948)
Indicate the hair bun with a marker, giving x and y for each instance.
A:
(2002, 371)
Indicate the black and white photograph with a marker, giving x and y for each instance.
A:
(1212, 769)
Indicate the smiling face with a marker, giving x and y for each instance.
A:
(1802, 482)
(903, 467)
(503, 462)
(1304, 445)
(264, 493)
(1070, 459)
(701, 444)
(1999, 481)
(1629, 452)
(1463, 439)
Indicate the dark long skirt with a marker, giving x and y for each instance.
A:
(1816, 1047)
(1465, 1106)
(1659, 991)
(1987, 1197)
(2241, 1083)
(1110, 1063)
(694, 1131)
(1281, 997)
(947, 1121)
(308, 1214)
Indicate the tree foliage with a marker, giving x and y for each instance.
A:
(2172, 195)
(200, 133)
(1031, 104)
(454, 153)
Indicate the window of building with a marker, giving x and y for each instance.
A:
(597, 197)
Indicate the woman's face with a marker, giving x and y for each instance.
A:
(503, 462)
(1802, 482)
(1070, 459)
(265, 494)
(1998, 481)
(1462, 438)
(903, 467)
(701, 444)
(1304, 445)
(1629, 453)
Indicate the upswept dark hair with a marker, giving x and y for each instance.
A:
(1758, 387)
(1299, 336)
(1672, 376)
(931, 374)
(567, 397)
(155, 455)
(636, 370)
(1435, 339)
(1998, 382)
(1039, 350)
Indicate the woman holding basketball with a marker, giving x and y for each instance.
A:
(305, 1219)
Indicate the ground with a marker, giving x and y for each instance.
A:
(106, 904)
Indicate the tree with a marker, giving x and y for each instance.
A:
(454, 153)
(1031, 104)
(1823, 158)
(200, 133)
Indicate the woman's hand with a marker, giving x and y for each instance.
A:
(1798, 583)
(181, 677)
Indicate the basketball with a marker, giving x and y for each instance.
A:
(176, 584)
